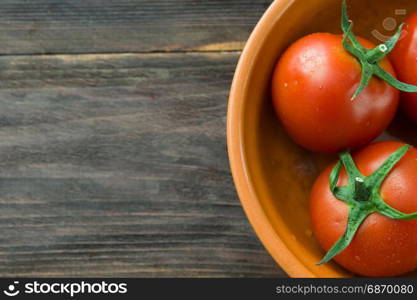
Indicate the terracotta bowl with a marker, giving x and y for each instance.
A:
(273, 175)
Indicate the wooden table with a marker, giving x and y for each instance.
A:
(112, 139)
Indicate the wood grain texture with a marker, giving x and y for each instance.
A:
(97, 26)
(116, 165)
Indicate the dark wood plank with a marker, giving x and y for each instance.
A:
(116, 165)
(96, 26)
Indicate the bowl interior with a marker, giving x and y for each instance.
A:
(280, 172)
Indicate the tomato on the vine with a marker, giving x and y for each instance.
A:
(382, 211)
(336, 92)
(312, 90)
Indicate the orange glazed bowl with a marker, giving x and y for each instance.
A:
(272, 174)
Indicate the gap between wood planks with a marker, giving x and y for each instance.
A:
(126, 53)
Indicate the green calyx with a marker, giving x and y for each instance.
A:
(369, 58)
(362, 195)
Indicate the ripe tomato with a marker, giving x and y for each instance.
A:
(404, 59)
(312, 87)
(381, 246)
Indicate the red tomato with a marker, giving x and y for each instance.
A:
(404, 59)
(381, 246)
(312, 88)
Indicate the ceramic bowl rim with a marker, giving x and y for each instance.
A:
(235, 143)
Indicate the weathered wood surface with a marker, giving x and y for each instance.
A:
(103, 26)
(113, 159)
(116, 165)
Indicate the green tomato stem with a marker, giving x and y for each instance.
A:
(356, 217)
(362, 195)
(369, 58)
(374, 55)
